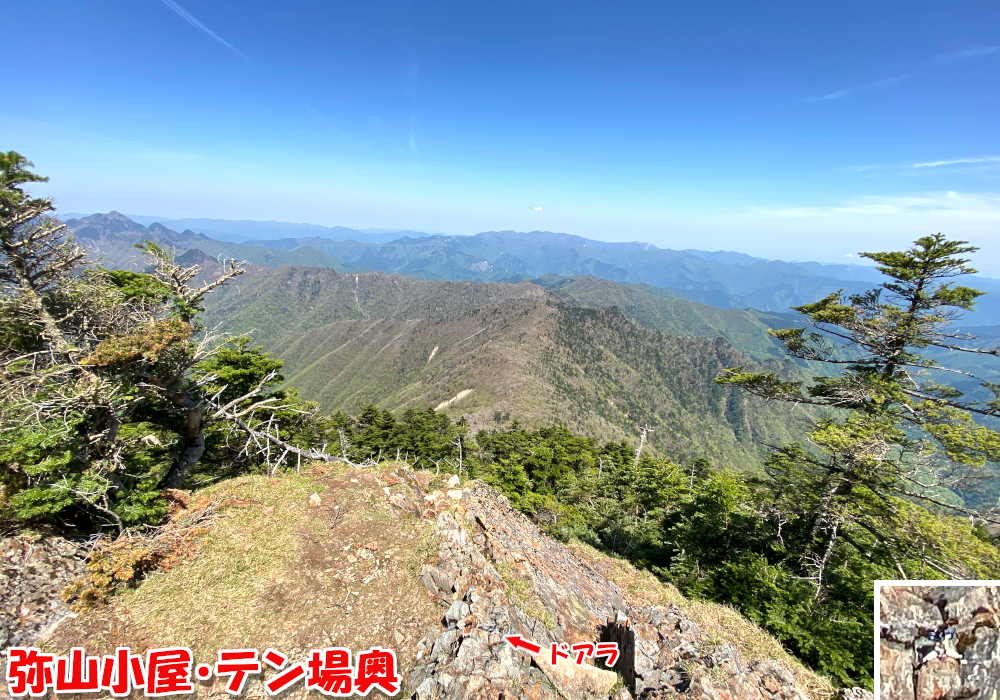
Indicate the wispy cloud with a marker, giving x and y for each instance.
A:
(957, 161)
(967, 53)
(536, 208)
(197, 24)
(954, 205)
(974, 52)
(870, 167)
(413, 137)
(844, 92)
(336, 128)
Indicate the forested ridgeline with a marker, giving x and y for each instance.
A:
(114, 390)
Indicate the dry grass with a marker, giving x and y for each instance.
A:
(247, 554)
(277, 570)
(720, 622)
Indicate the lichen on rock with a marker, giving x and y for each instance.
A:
(939, 643)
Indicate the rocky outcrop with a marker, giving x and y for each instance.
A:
(665, 654)
(33, 572)
(939, 643)
(497, 574)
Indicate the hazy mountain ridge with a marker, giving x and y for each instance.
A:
(112, 238)
(723, 279)
(243, 230)
(495, 256)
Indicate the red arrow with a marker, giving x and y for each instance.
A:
(519, 642)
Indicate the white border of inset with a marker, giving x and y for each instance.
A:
(878, 614)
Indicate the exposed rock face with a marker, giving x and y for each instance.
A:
(939, 643)
(664, 654)
(495, 574)
(33, 572)
(498, 574)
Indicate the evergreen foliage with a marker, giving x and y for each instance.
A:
(713, 532)
(112, 391)
(902, 435)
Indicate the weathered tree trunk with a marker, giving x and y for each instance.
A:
(193, 438)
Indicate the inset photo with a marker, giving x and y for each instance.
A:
(937, 640)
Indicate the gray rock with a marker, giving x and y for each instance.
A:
(939, 643)
(33, 573)
(457, 611)
(855, 694)
(662, 652)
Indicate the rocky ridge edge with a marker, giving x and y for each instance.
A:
(664, 653)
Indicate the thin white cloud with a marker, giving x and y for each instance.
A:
(869, 167)
(413, 137)
(952, 205)
(958, 161)
(844, 92)
(968, 53)
(943, 58)
(323, 118)
(196, 23)
(536, 208)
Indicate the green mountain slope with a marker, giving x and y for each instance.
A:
(668, 313)
(595, 370)
(280, 301)
(538, 354)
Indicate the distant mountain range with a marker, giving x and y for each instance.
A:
(599, 354)
(240, 231)
(112, 238)
(722, 279)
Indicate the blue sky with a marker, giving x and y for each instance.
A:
(789, 130)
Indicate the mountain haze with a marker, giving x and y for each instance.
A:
(726, 280)
(112, 238)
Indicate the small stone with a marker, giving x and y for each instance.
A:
(269, 510)
(373, 546)
(453, 481)
(315, 500)
(457, 611)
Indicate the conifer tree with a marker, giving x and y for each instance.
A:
(110, 386)
(898, 433)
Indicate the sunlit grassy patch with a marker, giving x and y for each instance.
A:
(217, 600)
